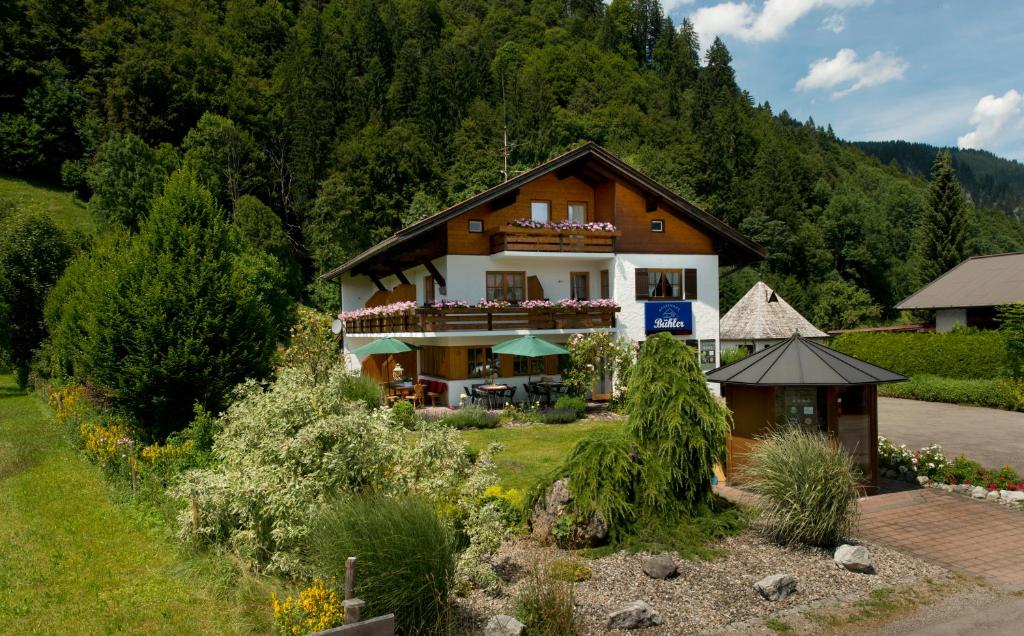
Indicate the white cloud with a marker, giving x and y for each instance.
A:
(836, 23)
(743, 20)
(671, 5)
(996, 120)
(846, 69)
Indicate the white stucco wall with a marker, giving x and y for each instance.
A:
(947, 319)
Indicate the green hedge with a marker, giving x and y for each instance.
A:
(970, 355)
(998, 394)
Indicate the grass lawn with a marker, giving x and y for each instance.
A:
(71, 560)
(67, 211)
(531, 452)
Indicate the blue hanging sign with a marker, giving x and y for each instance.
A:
(676, 317)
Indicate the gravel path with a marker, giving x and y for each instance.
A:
(706, 595)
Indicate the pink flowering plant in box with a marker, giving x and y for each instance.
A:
(393, 309)
(448, 304)
(563, 225)
(493, 304)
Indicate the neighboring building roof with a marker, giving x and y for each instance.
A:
(763, 315)
(738, 248)
(798, 362)
(915, 327)
(980, 281)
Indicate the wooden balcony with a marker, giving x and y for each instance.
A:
(430, 320)
(511, 238)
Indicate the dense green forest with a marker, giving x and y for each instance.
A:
(990, 181)
(322, 127)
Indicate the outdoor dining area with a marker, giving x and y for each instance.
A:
(490, 394)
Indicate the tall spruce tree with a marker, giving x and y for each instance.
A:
(945, 229)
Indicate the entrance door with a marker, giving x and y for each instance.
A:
(854, 426)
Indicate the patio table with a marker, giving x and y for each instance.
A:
(492, 391)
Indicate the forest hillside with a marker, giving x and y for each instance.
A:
(338, 122)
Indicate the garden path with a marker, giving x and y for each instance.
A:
(978, 538)
(988, 436)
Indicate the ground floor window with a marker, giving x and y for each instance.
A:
(482, 362)
(527, 366)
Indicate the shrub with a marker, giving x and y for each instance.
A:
(806, 486)
(675, 417)
(178, 314)
(596, 355)
(558, 416)
(545, 606)
(575, 404)
(359, 388)
(403, 414)
(733, 354)
(1000, 394)
(33, 254)
(963, 471)
(405, 557)
(961, 355)
(568, 570)
(471, 417)
(315, 609)
(1011, 323)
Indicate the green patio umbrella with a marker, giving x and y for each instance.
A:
(383, 345)
(529, 347)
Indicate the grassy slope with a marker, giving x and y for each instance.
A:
(73, 560)
(67, 211)
(532, 452)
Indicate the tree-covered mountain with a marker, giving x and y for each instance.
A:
(340, 121)
(989, 180)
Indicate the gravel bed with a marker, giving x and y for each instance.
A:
(706, 595)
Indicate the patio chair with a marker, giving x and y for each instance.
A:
(476, 395)
(417, 396)
(509, 395)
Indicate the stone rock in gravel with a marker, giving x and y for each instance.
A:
(993, 495)
(946, 487)
(979, 493)
(923, 480)
(962, 488)
(776, 587)
(854, 558)
(1012, 496)
(910, 477)
(660, 566)
(635, 615)
(503, 625)
(591, 531)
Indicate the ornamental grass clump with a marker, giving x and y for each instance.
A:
(806, 487)
(405, 557)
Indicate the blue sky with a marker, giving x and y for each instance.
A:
(942, 72)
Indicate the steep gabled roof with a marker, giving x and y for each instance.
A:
(735, 248)
(980, 281)
(763, 315)
(799, 362)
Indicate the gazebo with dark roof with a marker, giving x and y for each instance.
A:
(802, 383)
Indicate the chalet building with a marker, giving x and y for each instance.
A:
(970, 293)
(581, 243)
(762, 318)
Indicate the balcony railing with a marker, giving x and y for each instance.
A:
(526, 239)
(428, 319)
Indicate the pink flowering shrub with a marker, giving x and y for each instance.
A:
(392, 309)
(564, 225)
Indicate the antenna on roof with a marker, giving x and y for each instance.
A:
(506, 148)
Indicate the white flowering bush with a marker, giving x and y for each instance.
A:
(287, 449)
(892, 456)
(928, 461)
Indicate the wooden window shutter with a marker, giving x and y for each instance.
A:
(641, 284)
(690, 284)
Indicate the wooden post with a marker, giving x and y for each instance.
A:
(352, 605)
(195, 514)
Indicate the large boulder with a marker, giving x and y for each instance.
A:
(635, 615)
(660, 566)
(503, 625)
(854, 558)
(1012, 497)
(776, 587)
(578, 531)
(979, 493)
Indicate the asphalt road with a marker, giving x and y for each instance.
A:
(989, 436)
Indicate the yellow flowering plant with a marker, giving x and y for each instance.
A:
(315, 609)
(107, 443)
(70, 402)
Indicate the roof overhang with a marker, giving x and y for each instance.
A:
(589, 162)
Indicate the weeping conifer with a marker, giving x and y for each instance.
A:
(674, 417)
(945, 230)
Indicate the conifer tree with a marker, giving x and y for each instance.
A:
(945, 228)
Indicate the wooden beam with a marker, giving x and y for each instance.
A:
(652, 203)
(505, 200)
(436, 274)
(400, 276)
(376, 281)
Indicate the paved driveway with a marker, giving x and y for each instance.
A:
(980, 538)
(989, 436)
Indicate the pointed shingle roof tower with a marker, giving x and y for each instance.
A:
(763, 315)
